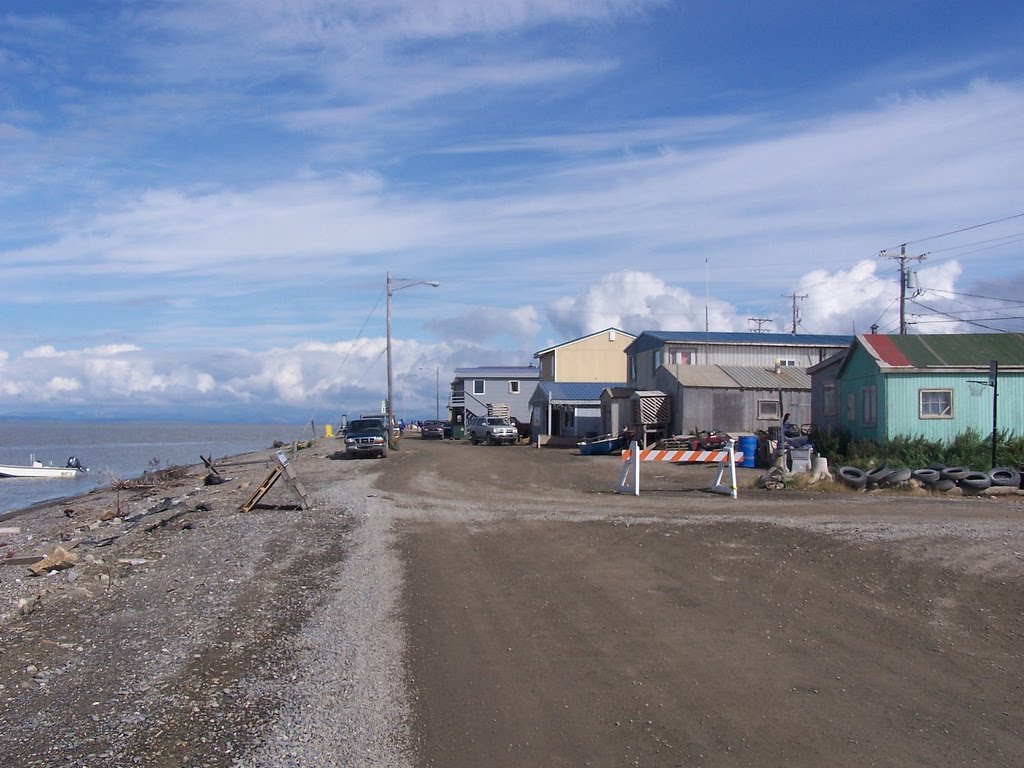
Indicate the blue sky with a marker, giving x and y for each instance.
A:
(200, 201)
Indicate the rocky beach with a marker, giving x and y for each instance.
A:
(470, 605)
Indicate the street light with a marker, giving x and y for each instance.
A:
(437, 392)
(391, 289)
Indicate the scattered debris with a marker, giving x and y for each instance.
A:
(60, 558)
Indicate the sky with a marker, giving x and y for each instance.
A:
(200, 202)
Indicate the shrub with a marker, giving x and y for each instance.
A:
(968, 449)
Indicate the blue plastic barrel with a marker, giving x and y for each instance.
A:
(748, 447)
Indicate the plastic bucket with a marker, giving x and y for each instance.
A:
(748, 447)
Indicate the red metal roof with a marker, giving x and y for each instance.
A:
(886, 351)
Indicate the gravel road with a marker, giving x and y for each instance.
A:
(467, 605)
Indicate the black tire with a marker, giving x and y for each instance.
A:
(938, 466)
(491, 440)
(876, 475)
(853, 477)
(943, 484)
(472, 438)
(953, 473)
(1005, 476)
(896, 476)
(975, 481)
(928, 475)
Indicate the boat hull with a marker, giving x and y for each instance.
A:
(601, 446)
(11, 470)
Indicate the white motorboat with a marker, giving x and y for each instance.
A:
(36, 468)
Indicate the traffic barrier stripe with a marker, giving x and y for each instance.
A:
(680, 457)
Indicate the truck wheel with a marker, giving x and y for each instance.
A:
(491, 440)
(472, 438)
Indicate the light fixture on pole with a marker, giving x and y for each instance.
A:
(391, 288)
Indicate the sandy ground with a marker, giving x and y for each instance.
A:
(461, 605)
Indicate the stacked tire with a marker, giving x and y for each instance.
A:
(935, 477)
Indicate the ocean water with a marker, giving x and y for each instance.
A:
(119, 451)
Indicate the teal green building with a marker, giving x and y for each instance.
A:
(931, 386)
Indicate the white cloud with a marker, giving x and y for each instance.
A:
(60, 385)
(637, 301)
(488, 322)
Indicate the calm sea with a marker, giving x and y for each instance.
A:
(119, 451)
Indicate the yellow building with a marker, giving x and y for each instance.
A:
(599, 356)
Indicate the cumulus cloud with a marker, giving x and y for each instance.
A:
(637, 301)
(853, 300)
(60, 385)
(488, 322)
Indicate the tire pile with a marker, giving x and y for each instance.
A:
(934, 477)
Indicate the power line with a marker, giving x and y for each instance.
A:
(963, 320)
(957, 231)
(974, 296)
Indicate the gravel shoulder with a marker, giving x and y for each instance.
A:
(469, 605)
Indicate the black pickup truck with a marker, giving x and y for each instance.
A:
(366, 437)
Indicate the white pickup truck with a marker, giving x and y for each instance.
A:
(493, 430)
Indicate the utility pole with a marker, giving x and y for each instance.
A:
(760, 323)
(902, 259)
(796, 309)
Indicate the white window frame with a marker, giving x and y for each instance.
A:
(768, 410)
(513, 387)
(869, 398)
(785, 362)
(479, 387)
(947, 412)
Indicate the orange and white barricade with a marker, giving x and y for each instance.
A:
(725, 458)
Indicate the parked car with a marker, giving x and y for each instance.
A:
(431, 429)
(366, 437)
(493, 430)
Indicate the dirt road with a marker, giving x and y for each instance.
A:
(687, 629)
(461, 605)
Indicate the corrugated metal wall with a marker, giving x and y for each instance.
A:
(970, 410)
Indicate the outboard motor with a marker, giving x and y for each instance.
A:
(74, 463)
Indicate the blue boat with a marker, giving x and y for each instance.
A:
(601, 445)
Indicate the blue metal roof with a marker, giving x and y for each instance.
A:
(654, 339)
(572, 391)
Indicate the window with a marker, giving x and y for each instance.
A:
(657, 359)
(851, 407)
(785, 363)
(870, 416)
(513, 387)
(478, 386)
(830, 404)
(632, 367)
(935, 404)
(681, 356)
(768, 409)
